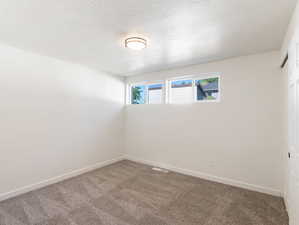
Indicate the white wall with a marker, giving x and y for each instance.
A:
(290, 30)
(238, 141)
(55, 117)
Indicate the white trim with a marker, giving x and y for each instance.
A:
(128, 94)
(167, 92)
(53, 180)
(210, 177)
(286, 203)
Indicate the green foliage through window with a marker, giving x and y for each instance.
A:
(138, 94)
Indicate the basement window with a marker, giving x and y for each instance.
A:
(176, 91)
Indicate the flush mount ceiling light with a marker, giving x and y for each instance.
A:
(135, 43)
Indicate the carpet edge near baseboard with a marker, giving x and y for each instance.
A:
(56, 179)
(209, 177)
(77, 172)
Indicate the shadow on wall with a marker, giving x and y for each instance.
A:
(55, 117)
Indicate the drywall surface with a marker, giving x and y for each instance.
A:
(55, 118)
(239, 140)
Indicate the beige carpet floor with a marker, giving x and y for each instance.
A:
(129, 193)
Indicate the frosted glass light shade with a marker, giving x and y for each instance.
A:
(135, 43)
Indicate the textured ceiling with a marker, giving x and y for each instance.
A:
(180, 32)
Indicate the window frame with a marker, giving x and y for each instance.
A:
(166, 89)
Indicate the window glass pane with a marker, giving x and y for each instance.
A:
(181, 91)
(155, 93)
(138, 94)
(207, 89)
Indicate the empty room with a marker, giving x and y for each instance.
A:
(149, 112)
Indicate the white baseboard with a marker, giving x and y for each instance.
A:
(286, 202)
(210, 177)
(32, 187)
